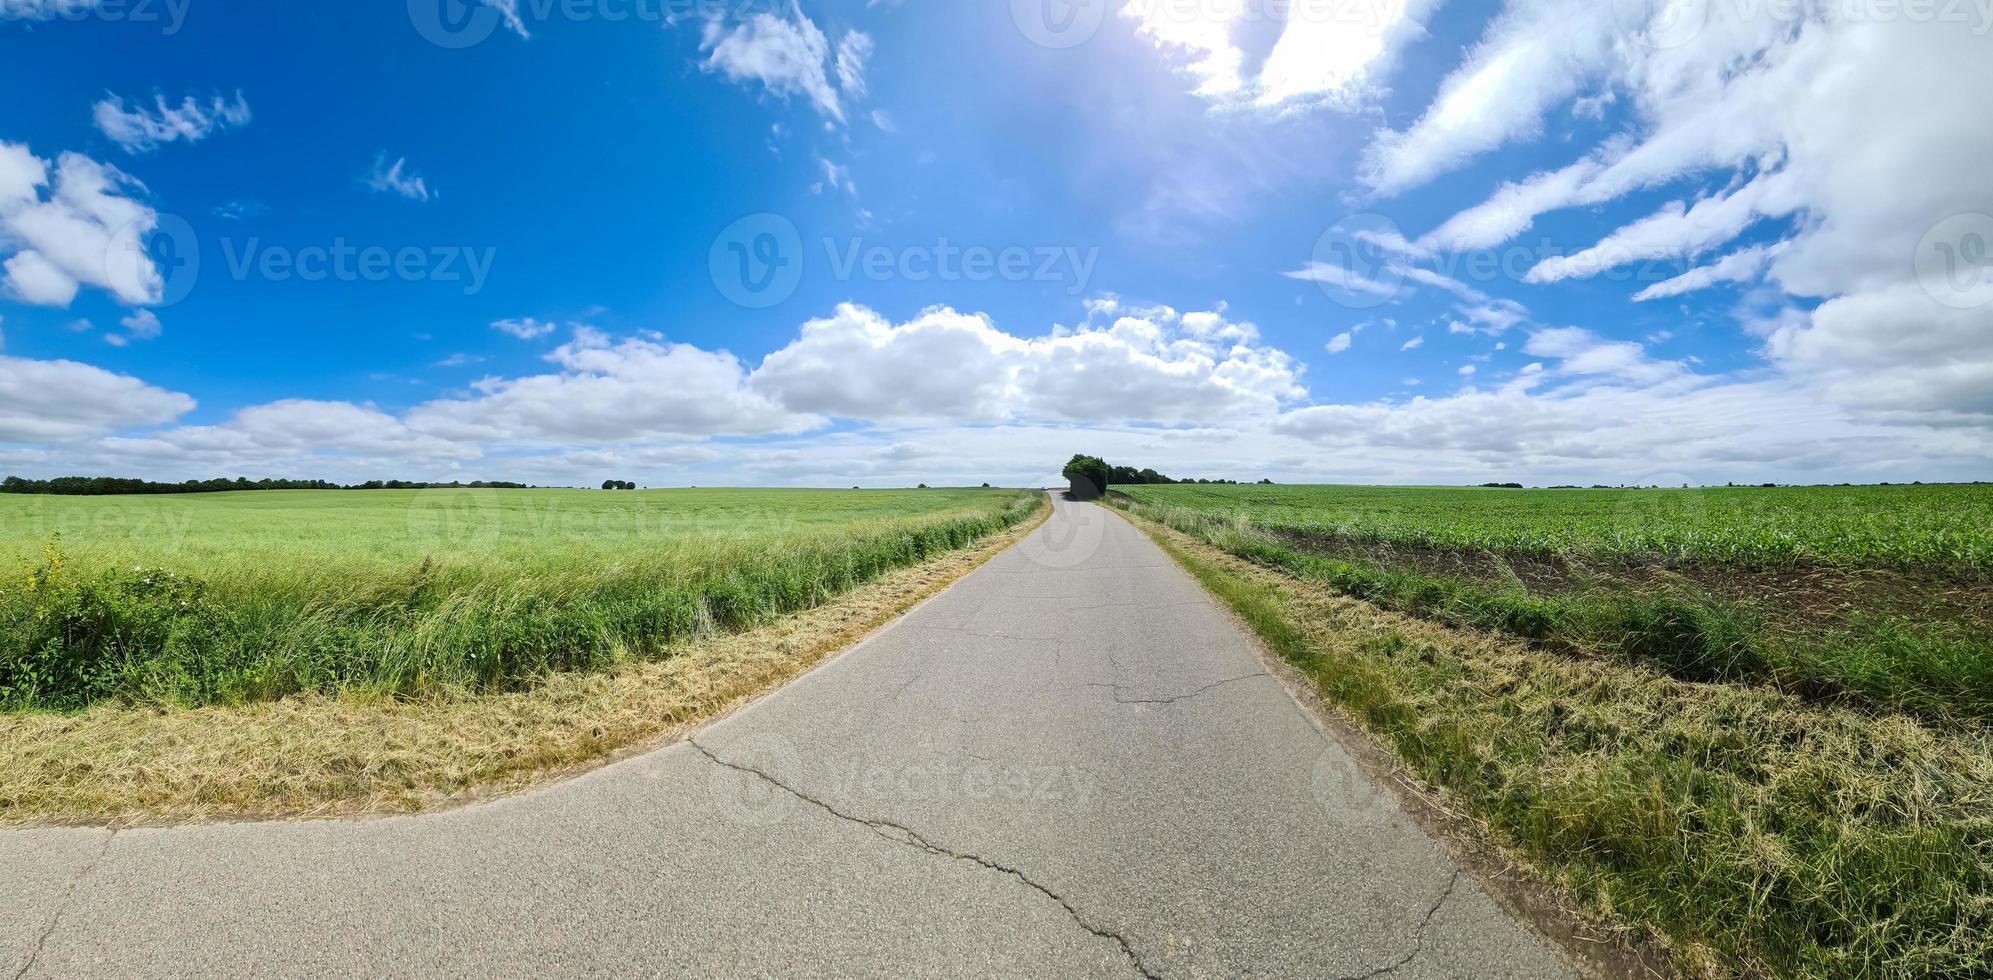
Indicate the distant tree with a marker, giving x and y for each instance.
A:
(986, 485)
(1265, 482)
(611, 485)
(922, 487)
(1089, 476)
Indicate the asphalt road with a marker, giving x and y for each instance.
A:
(1069, 764)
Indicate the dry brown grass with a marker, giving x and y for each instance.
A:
(315, 756)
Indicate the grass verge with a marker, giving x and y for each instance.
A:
(314, 755)
(1750, 831)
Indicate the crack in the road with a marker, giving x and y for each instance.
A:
(1118, 699)
(903, 834)
(75, 885)
(1419, 945)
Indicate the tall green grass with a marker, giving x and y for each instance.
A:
(230, 598)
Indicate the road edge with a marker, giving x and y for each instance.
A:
(1539, 905)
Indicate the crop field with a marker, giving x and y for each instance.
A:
(1883, 594)
(1945, 527)
(1749, 723)
(224, 598)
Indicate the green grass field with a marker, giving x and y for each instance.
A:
(1878, 594)
(216, 598)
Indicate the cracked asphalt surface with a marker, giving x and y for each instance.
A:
(1069, 764)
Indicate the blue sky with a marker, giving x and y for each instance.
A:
(1340, 240)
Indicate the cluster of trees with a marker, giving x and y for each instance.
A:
(618, 485)
(1098, 476)
(103, 486)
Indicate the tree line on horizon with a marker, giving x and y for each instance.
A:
(105, 486)
(1099, 475)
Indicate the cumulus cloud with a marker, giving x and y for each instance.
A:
(60, 401)
(1160, 367)
(612, 391)
(76, 224)
(141, 130)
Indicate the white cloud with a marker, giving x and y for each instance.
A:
(943, 365)
(395, 178)
(835, 178)
(524, 328)
(1511, 211)
(1842, 124)
(33, 279)
(1536, 54)
(852, 54)
(1339, 343)
(607, 392)
(1324, 53)
(84, 231)
(788, 55)
(1676, 230)
(143, 324)
(950, 398)
(1413, 344)
(43, 9)
(1895, 350)
(509, 11)
(1343, 277)
(1581, 352)
(1743, 265)
(139, 130)
(59, 401)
